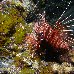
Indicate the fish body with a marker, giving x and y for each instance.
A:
(53, 36)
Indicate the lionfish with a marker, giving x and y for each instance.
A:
(58, 36)
(43, 31)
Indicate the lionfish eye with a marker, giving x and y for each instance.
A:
(40, 34)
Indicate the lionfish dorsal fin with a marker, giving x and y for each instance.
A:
(43, 20)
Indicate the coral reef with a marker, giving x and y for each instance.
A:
(33, 47)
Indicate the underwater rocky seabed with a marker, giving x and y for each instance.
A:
(15, 58)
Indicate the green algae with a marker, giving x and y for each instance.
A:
(12, 24)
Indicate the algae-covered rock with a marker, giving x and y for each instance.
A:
(13, 27)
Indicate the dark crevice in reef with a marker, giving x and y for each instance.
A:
(1, 0)
(11, 32)
(49, 53)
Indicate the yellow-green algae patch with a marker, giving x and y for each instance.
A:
(12, 24)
